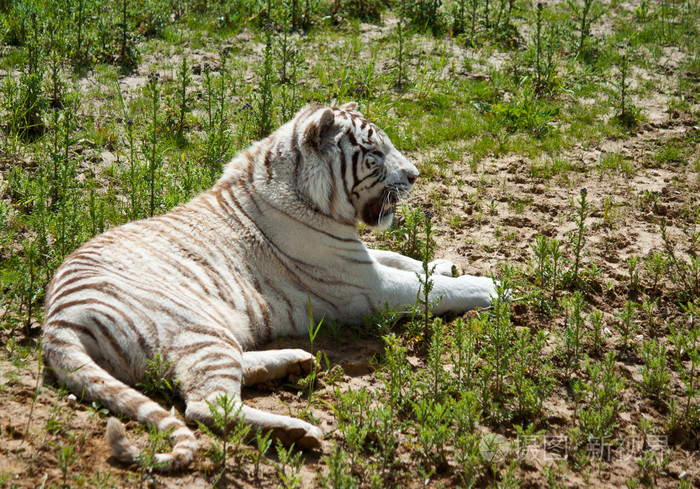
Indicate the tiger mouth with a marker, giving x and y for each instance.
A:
(377, 210)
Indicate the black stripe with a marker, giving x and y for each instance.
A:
(211, 375)
(374, 173)
(204, 370)
(267, 163)
(355, 178)
(91, 301)
(193, 348)
(49, 341)
(222, 333)
(244, 186)
(343, 173)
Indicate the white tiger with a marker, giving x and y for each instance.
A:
(233, 268)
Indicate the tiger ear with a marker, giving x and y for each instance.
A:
(350, 106)
(318, 132)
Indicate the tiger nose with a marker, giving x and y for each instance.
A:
(412, 178)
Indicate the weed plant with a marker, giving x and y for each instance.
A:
(650, 466)
(218, 138)
(627, 113)
(596, 334)
(180, 104)
(228, 433)
(498, 329)
(602, 395)
(578, 239)
(656, 266)
(66, 458)
(423, 302)
(425, 14)
(584, 15)
(633, 272)
(684, 269)
(437, 349)
(152, 152)
(627, 324)
(157, 443)
(128, 54)
(396, 375)
(686, 342)
(310, 380)
(405, 234)
(548, 272)
(157, 381)
(546, 43)
(463, 352)
(264, 101)
(532, 381)
(649, 306)
(263, 443)
(289, 466)
(31, 100)
(339, 477)
(290, 67)
(655, 377)
(574, 325)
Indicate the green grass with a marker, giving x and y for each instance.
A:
(489, 126)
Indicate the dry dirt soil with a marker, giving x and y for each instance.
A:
(483, 241)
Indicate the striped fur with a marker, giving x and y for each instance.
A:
(234, 267)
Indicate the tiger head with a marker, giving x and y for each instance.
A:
(351, 170)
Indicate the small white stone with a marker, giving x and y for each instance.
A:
(71, 399)
(108, 157)
(607, 333)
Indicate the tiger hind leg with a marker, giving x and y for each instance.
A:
(258, 367)
(68, 359)
(284, 428)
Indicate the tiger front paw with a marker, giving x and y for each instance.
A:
(443, 267)
(301, 362)
(478, 292)
(305, 437)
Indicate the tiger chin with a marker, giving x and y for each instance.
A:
(201, 285)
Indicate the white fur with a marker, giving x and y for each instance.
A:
(237, 266)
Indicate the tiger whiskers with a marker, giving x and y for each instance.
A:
(391, 196)
(402, 193)
(386, 204)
